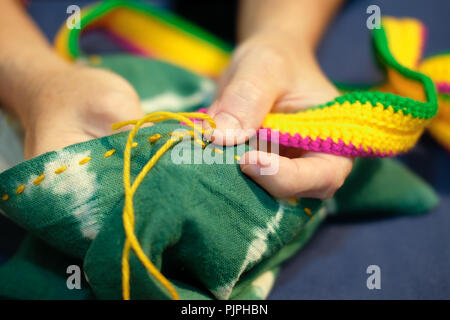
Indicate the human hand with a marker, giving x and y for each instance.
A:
(269, 73)
(75, 104)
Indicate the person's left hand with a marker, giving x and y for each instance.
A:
(268, 73)
(74, 104)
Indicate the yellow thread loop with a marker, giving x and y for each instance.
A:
(200, 142)
(218, 150)
(5, 197)
(109, 153)
(131, 241)
(84, 161)
(20, 189)
(61, 170)
(237, 158)
(176, 134)
(307, 211)
(165, 115)
(39, 179)
(134, 145)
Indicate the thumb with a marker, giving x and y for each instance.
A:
(249, 90)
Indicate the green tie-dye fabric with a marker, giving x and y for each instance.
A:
(212, 231)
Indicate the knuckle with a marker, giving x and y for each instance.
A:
(269, 57)
(333, 182)
(273, 61)
(111, 102)
(110, 98)
(272, 56)
(244, 91)
(124, 94)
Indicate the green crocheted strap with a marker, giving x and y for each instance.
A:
(415, 108)
(445, 96)
(96, 12)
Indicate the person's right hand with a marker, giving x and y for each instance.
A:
(272, 72)
(75, 104)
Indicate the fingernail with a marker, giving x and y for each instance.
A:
(264, 160)
(229, 130)
(208, 131)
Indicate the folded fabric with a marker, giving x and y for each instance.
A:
(208, 228)
(209, 231)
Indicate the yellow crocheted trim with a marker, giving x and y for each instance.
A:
(406, 87)
(155, 37)
(361, 124)
(405, 45)
(440, 130)
(437, 68)
(196, 55)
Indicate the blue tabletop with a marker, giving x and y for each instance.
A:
(413, 253)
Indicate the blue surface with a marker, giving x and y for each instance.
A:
(412, 252)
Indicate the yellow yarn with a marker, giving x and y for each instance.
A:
(131, 241)
(405, 44)
(438, 69)
(406, 87)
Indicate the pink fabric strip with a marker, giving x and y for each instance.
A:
(126, 44)
(320, 145)
(443, 87)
